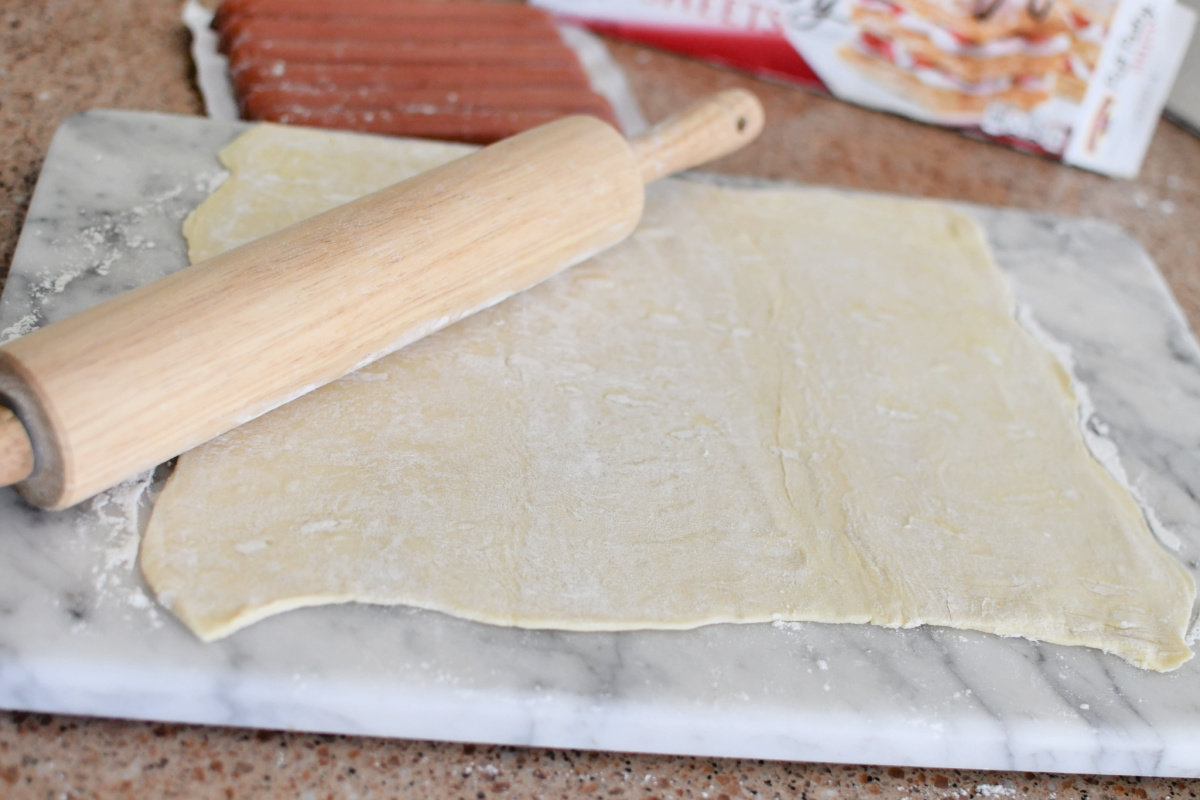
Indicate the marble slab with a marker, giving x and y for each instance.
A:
(79, 632)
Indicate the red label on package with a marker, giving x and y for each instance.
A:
(1080, 80)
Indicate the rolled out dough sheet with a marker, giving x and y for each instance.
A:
(768, 404)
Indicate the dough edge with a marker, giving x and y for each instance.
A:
(1168, 655)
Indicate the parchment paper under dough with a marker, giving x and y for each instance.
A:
(768, 404)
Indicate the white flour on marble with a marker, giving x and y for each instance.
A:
(105, 242)
(24, 325)
(97, 247)
(112, 521)
(1095, 432)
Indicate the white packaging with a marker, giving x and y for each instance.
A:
(1084, 81)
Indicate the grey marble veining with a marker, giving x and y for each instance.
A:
(80, 633)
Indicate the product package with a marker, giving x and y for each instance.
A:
(1084, 81)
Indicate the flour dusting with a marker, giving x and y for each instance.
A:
(112, 518)
(1095, 432)
(95, 249)
(24, 325)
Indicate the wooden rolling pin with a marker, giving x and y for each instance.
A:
(141, 378)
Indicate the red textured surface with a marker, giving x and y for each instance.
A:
(291, 64)
(768, 55)
(272, 74)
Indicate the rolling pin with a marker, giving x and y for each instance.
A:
(130, 383)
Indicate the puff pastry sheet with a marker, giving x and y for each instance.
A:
(768, 404)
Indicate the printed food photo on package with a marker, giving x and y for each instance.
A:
(1083, 81)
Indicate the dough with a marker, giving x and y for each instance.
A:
(767, 404)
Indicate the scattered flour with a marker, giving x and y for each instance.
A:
(112, 519)
(24, 325)
(785, 625)
(94, 249)
(1095, 432)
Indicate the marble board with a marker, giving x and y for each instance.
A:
(79, 632)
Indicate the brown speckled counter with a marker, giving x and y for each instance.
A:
(58, 57)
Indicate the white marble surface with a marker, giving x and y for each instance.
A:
(80, 634)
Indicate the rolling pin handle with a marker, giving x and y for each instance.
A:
(714, 127)
(16, 451)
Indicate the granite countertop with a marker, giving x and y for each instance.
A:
(63, 56)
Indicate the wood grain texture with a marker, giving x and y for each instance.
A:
(713, 127)
(16, 451)
(132, 382)
(137, 380)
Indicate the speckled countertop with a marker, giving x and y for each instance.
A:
(58, 57)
